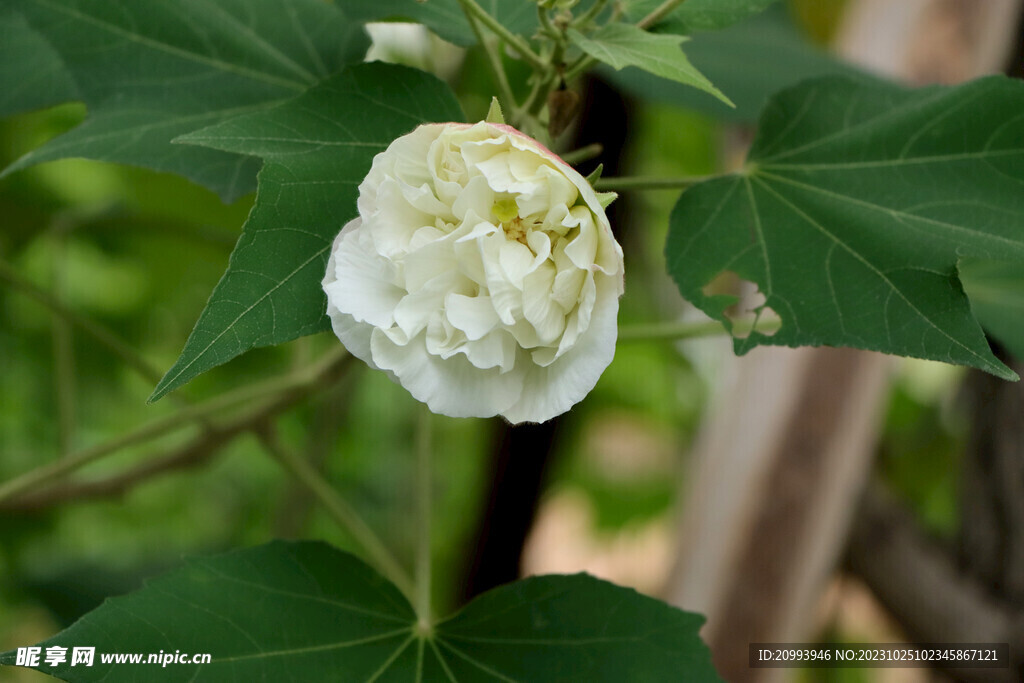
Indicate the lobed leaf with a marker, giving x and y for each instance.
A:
(856, 205)
(32, 75)
(151, 71)
(307, 612)
(317, 148)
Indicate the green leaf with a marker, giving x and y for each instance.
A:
(856, 205)
(750, 61)
(317, 149)
(32, 75)
(151, 71)
(304, 611)
(996, 291)
(697, 15)
(622, 45)
(445, 17)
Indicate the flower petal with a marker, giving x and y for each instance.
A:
(364, 284)
(552, 390)
(451, 386)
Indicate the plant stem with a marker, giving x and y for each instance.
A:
(659, 13)
(342, 513)
(424, 484)
(578, 156)
(41, 475)
(472, 9)
(692, 330)
(647, 183)
(545, 23)
(494, 58)
(582, 21)
(63, 346)
(101, 334)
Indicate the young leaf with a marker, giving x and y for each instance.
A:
(750, 61)
(856, 205)
(622, 45)
(304, 611)
(696, 15)
(32, 75)
(150, 71)
(317, 149)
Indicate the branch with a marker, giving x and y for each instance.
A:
(93, 329)
(191, 454)
(919, 584)
(307, 377)
(338, 508)
(648, 182)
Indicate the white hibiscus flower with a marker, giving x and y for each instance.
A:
(481, 274)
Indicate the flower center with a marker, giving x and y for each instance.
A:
(507, 213)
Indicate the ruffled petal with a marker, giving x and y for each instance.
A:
(451, 386)
(364, 284)
(552, 390)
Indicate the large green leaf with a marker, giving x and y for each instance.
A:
(856, 204)
(317, 149)
(996, 291)
(622, 45)
(446, 18)
(697, 15)
(303, 611)
(32, 74)
(151, 71)
(748, 62)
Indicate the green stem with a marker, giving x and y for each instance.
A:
(692, 330)
(472, 9)
(582, 21)
(494, 58)
(42, 475)
(11, 276)
(424, 485)
(545, 23)
(63, 348)
(659, 13)
(342, 513)
(578, 156)
(647, 183)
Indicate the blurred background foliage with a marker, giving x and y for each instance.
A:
(139, 253)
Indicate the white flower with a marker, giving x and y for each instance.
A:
(481, 274)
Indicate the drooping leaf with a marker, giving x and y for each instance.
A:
(317, 148)
(697, 15)
(749, 61)
(445, 17)
(622, 45)
(151, 71)
(996, 291)
(32, 75)
(304, 611)
(857, 202)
